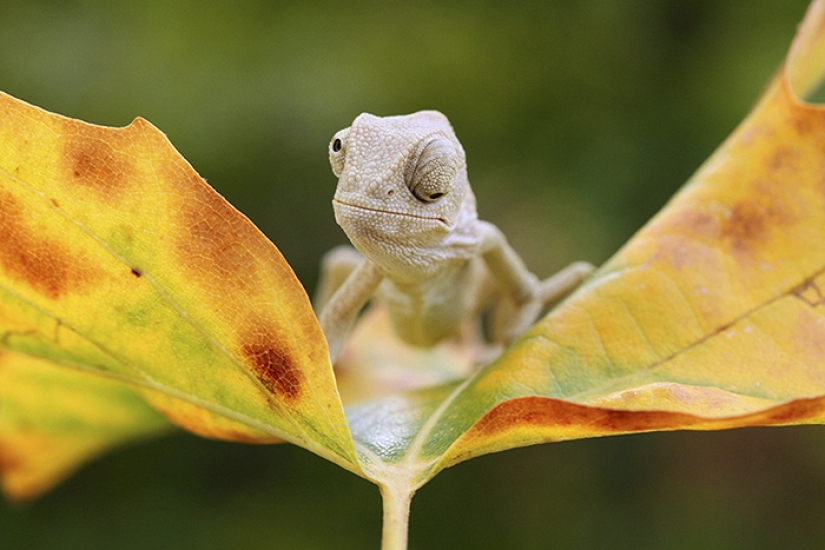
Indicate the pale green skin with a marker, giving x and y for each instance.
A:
(404, 201)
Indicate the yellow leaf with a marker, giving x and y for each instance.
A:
(53, 419)
(118, 259)
(711, 317)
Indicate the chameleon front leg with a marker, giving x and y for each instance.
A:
(342, 308)
(527, 295)
(336, 266)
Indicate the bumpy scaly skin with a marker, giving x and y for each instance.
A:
(405, 203)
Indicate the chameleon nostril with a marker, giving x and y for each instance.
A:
(390, 192)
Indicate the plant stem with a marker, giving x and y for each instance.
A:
(396, 500)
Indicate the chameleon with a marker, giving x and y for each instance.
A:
(404, 201)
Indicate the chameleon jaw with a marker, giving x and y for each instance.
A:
(442, 221)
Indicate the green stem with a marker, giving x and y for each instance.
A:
(396, 501)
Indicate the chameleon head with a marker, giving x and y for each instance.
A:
(402, 181)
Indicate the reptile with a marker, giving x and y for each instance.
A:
(405, 203)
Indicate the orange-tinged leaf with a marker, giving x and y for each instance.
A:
(711, 317)
(119, 259)
(375, 362)
(53, 419)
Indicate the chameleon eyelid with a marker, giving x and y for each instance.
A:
(432, 169)
(337, 151)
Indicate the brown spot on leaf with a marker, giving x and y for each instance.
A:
(28, 255)
(272, 363)
(234, 267)
(749, 223)
(91, 157)
(803, 125)
(211, 242)
(8, 460)
(541, 411)
(797, 411)
(784, 158)
(536, 419)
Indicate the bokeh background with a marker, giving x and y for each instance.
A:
(580, 119)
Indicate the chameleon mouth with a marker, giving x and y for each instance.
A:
(392, 212)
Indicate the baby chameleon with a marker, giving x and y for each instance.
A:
(405, 203)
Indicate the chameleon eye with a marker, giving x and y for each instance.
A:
(433, 170)
(337, 151)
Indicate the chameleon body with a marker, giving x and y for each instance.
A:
(404, 201)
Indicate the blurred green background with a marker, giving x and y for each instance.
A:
(580, 119)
